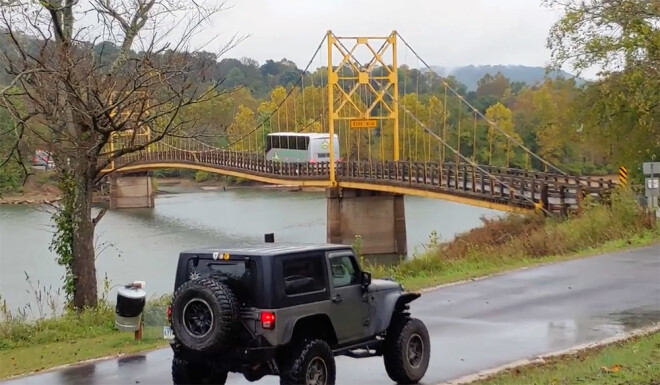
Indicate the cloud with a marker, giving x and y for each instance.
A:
(445, 33)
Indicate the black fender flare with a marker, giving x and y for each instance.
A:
(400, 306)
(404, 299)
(320, 322)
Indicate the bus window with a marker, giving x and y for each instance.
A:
(299, 147)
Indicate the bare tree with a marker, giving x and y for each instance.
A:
(86, 72)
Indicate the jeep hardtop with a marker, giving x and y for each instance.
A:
(288, 310)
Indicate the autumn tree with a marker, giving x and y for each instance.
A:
(621, 40)
(241, 133)
(494, 86)
(85, 99)
(500, 148)
(436, 119)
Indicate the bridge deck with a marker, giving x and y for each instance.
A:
(485, 186)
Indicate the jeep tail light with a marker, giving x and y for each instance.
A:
(267, 320)
(169, 314)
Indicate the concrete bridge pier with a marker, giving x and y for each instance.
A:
(379, 218)
(128, 191)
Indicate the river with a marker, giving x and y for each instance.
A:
(142, 244)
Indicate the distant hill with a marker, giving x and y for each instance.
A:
(470, 75)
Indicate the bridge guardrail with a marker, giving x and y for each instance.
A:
(521, 188)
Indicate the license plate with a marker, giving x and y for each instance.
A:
(168, 333)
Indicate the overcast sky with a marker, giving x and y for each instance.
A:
(444, 32)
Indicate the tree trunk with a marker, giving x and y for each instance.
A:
(84, 269)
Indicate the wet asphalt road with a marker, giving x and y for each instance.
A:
(474, 326)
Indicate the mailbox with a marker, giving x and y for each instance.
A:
(131, 299)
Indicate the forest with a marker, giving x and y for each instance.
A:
(564, 120)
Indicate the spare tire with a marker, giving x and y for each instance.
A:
(204, 314)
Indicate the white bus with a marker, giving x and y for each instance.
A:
(300, 147)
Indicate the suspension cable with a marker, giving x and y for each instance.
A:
(474, 139)
(458, 154)
(285, 98)
(521, 145)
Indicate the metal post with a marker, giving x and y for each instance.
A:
(138, 332)
(394, 79)
(332, 80)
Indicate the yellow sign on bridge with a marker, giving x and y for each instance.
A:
(364, 123)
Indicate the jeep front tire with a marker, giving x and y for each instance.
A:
(313, 364)
(407, 350)
(204, 314)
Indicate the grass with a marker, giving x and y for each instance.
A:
(520, 241)
(453, 271)
(38, 357)
(634, 362)
(27, 347)
(514, 242)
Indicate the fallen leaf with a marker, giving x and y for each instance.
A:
(612, 369)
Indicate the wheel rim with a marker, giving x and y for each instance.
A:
(415, 350)
(197, 318)
(317, 372)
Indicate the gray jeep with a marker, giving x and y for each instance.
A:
(287, 310)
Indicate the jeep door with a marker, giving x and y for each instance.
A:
(350, 307)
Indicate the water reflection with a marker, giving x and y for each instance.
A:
(78, 374)
(576, 331)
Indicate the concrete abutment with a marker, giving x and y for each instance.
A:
(377, 217)
(128, 191)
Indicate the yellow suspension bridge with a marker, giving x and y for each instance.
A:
(391, 140)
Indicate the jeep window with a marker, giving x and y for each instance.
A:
(303, 275)
(344, 271)
(236, 275)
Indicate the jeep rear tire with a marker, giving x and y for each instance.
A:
(196, 373)
(313, 364)
(407, 350)
(204, 314)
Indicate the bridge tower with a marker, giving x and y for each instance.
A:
(364, 69)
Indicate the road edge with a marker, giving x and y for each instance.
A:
(538, 265)
(82, 363)
(470, 378)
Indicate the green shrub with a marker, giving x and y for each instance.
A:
(11, 177)
(202, 176)
(235, 180)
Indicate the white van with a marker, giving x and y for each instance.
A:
(300, 147)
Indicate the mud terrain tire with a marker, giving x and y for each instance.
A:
(204, 314)
(407, 350)
(311, 360)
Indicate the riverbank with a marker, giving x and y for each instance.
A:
(41, 188)
(496, 247)
(631, 361)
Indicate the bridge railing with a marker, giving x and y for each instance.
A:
(238, 161)
(515, 187)
(497, 185)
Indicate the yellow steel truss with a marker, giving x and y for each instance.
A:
(361, 76)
